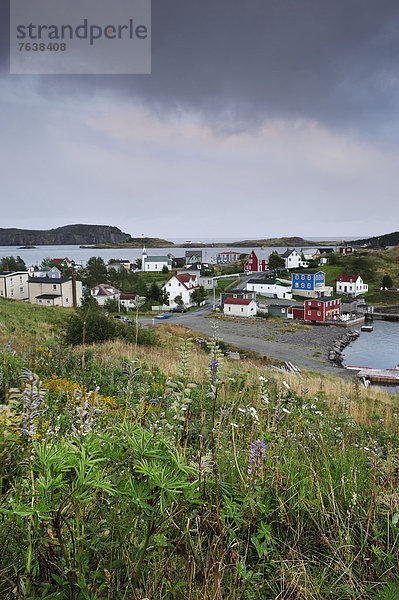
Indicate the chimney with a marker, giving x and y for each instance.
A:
(74, 299)
(6, 269)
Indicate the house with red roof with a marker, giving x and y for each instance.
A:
(129, 301)
(182, 285)
(351, 285)
(240, 307)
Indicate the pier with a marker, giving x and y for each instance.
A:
(387, 376)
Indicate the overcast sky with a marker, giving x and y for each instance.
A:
(261, 118)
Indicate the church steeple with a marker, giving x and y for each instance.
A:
(143, 256)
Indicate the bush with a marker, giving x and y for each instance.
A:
(98, 327)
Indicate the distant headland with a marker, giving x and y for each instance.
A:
(107, 236)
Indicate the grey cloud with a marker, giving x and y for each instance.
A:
(239, 62)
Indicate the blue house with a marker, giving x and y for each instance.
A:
(306, 282)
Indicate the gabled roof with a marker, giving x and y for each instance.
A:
(59, 261)
(128, 296)
(103, 289)
(348, 278)
(185, 278)
(288, 253)
(228, 252)
(325, 250)
(261, 254)
(239, 301)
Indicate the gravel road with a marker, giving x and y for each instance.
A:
(307, 347)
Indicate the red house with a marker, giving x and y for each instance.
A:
(322, 309)
(257, 262)
(298, 312)
(346, 250)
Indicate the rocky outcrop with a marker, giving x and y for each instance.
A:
(335, 352)
(69, 234)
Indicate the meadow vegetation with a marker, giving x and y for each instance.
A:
(169, 471)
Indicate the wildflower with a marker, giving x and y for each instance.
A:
(257, 455)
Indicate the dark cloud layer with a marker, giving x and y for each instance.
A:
(242, 61)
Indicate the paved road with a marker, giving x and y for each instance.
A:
(305, 347)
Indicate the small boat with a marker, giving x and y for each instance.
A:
(367, 328)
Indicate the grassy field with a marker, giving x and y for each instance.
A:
(25, 325)
(173, 472)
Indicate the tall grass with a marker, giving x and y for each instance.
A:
(174, 472)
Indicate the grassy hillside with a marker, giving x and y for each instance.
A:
(154, 473)
(25, 325)
(372, 266)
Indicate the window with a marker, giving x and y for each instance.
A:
(48, 301)
(54, 286)
(20, 279)
(308, 285)
(12, 292)
(302, 285)
(318, 313)
(66, 299)
(11, 281)
(21, 290)
(309, 312)
(242, 310)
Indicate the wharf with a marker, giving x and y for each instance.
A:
(387, 376)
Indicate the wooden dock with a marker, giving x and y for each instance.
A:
(387, 376)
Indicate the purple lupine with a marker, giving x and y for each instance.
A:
(213, 365)
(257, 454)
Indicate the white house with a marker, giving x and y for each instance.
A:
(206, 281)
(272, 288)
(154, 263)
(103, 292)
(14, 285)
(239, 307)
(181, 285)
(292, 259)
(54, 273)
(129, 301)
(351, 285)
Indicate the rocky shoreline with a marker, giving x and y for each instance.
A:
(335, 352)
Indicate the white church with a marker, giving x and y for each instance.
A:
(154, 263)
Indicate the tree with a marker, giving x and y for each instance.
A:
(154, 292)
(97, 271)
(164, 297)
(89, 322)
(111, 305)
(199, 295)
(165, 270)
(386, 281)
(276, 261)
(179, 300)
(13, 264)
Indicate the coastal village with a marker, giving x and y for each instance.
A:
(291, 285)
